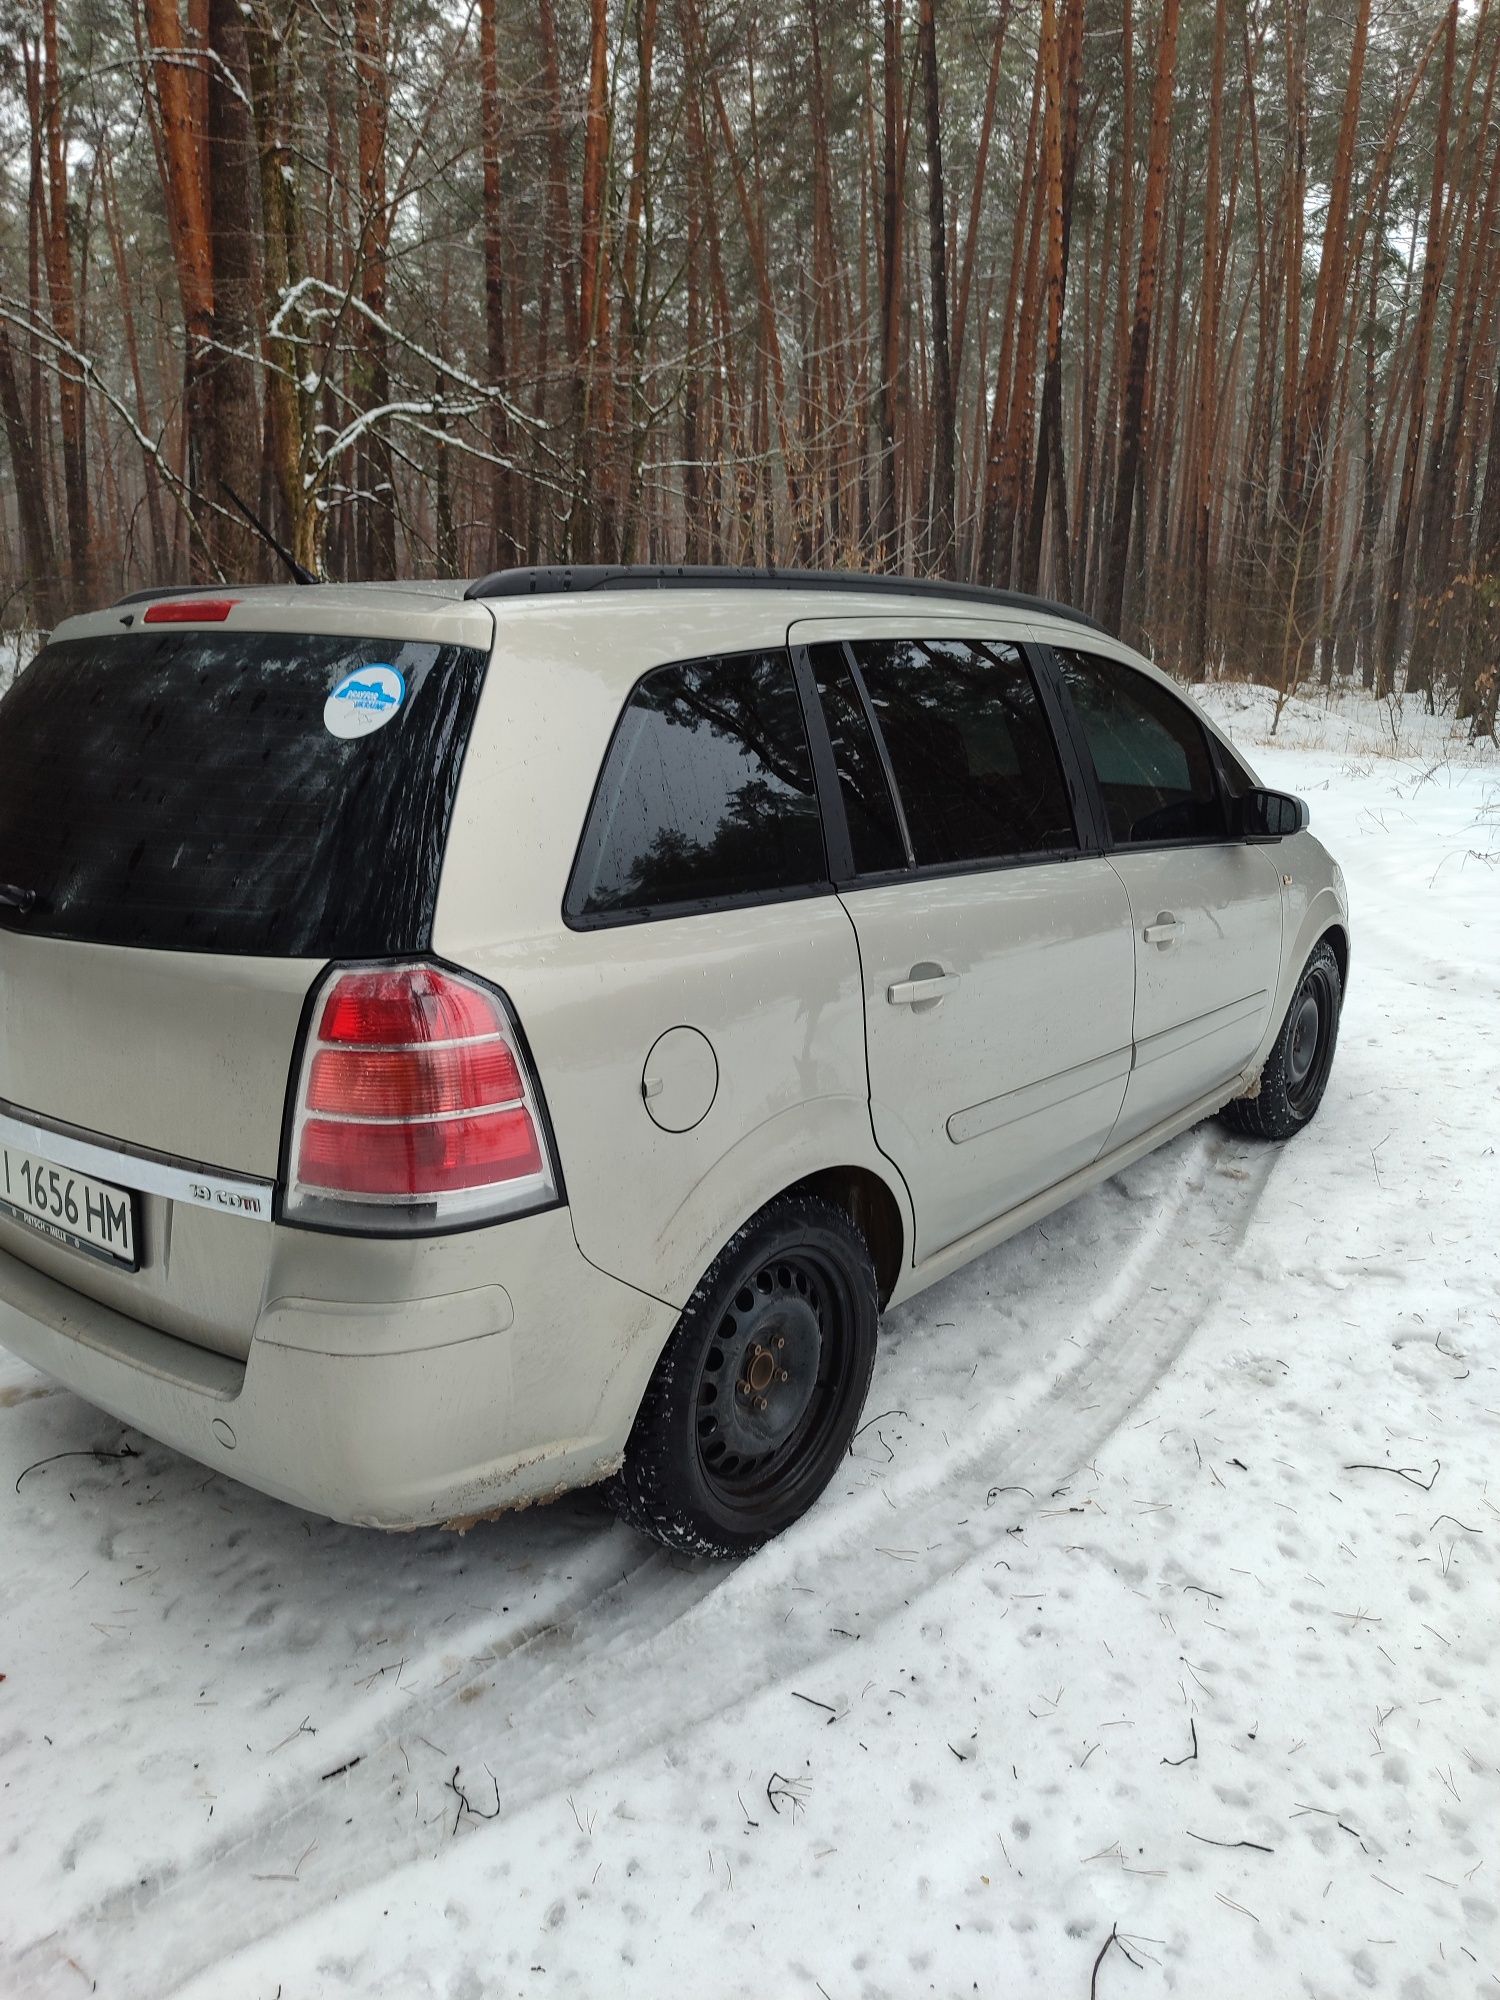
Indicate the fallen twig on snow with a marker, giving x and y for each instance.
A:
(1259, 1849)
(813, 1702)
(464, 1803)
(880, 1418)
(1115, 1939)
(1326, 1814)
(1192, 1754)
(94, 1451)
(790, 1790)
(1407, 1472)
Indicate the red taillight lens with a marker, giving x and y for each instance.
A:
(189, 611)
(416, 1106)
(396, 1009)
(413, 1083)
(414, 1159)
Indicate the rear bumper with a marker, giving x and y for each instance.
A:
(395, 1415)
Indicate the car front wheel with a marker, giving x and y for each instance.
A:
(1296, 1071)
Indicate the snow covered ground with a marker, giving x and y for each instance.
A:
(1159, 1601)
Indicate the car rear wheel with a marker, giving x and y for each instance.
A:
(1296, 1071)
(756, 1397)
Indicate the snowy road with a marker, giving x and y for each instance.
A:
(940, 1739)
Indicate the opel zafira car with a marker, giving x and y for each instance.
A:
(460, 1043)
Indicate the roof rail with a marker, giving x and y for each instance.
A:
(557, 580)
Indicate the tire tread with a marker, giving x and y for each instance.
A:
(1269, 1114)
(653, 1492)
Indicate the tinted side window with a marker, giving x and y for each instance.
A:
(874, 831)
(971, 748)
(1235, 778)
(707, 793)
(1150, 751)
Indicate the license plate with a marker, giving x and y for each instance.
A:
(70, 1207)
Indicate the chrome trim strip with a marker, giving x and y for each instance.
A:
(149, 1173)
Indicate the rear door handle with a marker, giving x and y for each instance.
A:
(912, 992)
(1166, 930)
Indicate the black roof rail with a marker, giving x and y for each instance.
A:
(557, 580)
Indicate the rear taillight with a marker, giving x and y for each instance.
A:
(415, 1109)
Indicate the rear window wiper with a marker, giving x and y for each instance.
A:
(22, 901)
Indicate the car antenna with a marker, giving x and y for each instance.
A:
(302, 575)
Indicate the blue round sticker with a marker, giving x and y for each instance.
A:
(364, 701)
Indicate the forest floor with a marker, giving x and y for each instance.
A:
(1146, 1644)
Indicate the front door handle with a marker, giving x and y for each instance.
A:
(913, 992)
(1166, 930)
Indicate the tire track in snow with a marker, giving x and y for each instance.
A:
(610, 1672)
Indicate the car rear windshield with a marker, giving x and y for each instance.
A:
(262, 793)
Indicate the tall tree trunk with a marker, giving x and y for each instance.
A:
(1432, 271)
(892, 194)
(773, 384)
(976, 195)
(1293, 225)
(1132, 414)
(1479, 690)
(1206, 414)
(70, 380)
(26, 463)
(1062, 48)
(1000, 473)
(502, 525)
(372, 82)
(593, 506)
(233, 434)
(635, 279)
(291, 470)
(150, 467)
(940, 538)
(185, 194)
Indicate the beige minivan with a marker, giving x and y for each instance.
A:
(460, 1043)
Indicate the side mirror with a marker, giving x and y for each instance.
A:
(1264, 816)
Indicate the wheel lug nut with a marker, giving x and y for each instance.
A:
(760, 1402)
(780, 1341)
(783, 1375)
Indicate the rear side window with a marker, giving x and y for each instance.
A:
(971, 749)
(874, 830)
(706, 795)
(1150, 752)
(182, 791)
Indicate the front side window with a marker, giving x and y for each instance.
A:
(970, 747)
(707, 794)
(1233, 775)
(1150, 752)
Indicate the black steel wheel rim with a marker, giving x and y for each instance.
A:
(1309, 1039)
(774, 1381)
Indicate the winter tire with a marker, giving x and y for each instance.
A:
(757, 1394)
(1296, 1071)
